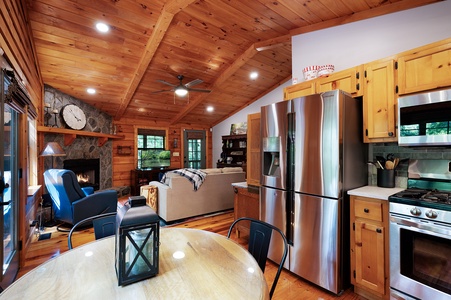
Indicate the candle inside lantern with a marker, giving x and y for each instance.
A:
(55, 111)
(47, 104)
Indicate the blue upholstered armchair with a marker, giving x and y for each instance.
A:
(70, 203)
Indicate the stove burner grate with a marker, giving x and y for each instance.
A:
(437, 197)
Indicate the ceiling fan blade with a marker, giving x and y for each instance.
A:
(165, 82)
(194, 82)
(199, 90)
(161, 91)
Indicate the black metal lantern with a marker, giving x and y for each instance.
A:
(137, 241)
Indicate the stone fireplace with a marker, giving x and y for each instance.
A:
(86, 170)
(82, 147)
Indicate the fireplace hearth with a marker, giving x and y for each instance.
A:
(86, 170)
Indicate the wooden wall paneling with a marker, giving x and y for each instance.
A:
(16, 41)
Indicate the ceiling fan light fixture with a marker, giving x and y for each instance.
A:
(181, 91)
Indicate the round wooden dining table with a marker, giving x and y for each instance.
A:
(194, 264)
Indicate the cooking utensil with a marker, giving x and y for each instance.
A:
(395, 162)
(390, 156)
(389, 165)
(381, 159)
(380, 165)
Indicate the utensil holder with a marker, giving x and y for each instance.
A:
(385, 178)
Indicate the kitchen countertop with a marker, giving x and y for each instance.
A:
(376, 192)
(240, 184)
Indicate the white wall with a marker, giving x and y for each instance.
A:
(350, 45)
(223, 128)
(356, 43)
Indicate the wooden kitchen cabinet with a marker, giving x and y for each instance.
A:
(369, 247)
(379, 102)
(246, 204)
(348, 80)
(425, 68)
(253, 150)
(300, 89)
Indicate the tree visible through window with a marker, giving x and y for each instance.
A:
(151, 149)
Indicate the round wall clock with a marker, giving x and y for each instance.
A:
(74, 116)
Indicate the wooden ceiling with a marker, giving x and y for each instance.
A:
(217, 41)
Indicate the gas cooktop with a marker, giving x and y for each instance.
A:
(425, 198)
(428, 185)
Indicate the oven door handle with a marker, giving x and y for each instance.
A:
(424, 225)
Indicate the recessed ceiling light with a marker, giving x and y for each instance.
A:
(102, 27)
(210, 108)
(253, 75)
(91, 91)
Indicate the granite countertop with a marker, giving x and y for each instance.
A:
(376, 192)
(240, 184)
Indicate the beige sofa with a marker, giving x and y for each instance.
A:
(177, 198)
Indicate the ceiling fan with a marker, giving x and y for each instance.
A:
(181, 89)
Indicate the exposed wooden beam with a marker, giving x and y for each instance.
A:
(162, 25)
(253, 100)
(273, 43)
(236, 65)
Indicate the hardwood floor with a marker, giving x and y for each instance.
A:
(289, 286)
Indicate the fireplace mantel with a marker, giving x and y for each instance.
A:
(71, 135)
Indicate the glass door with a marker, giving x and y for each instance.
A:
(9, 183)
(194, 149)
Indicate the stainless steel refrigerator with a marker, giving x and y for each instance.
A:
(312, 153)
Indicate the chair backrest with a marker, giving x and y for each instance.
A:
(63, 188)
(104, 225)
(259, 239)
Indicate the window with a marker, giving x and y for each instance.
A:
(32, 153)
(151, 149)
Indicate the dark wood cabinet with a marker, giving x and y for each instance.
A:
(143, 177)
(234, 148)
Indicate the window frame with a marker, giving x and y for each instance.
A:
(148, 132)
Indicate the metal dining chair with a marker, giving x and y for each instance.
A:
(104, 225)
(259, 239)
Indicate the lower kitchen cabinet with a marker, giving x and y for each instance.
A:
(369, 247)
(246, 204)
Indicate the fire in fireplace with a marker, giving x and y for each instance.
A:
(86, 170)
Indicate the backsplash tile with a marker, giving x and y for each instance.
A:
(383, 149)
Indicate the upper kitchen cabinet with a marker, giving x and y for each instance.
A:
(300, 89)
(425, 68)
(253, 149)
(379, 108)
(348, 80)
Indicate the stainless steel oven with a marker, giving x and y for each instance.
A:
(420, 234)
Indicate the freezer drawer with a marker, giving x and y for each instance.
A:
(273, 211)
(315, 254)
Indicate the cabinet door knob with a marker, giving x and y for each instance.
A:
(366, 210)
(358, 244)
(390, 133)
(379, 230)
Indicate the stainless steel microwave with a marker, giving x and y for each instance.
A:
(425, 119)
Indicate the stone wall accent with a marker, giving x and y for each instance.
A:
(82, 147)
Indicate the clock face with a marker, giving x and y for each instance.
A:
(74, 117)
